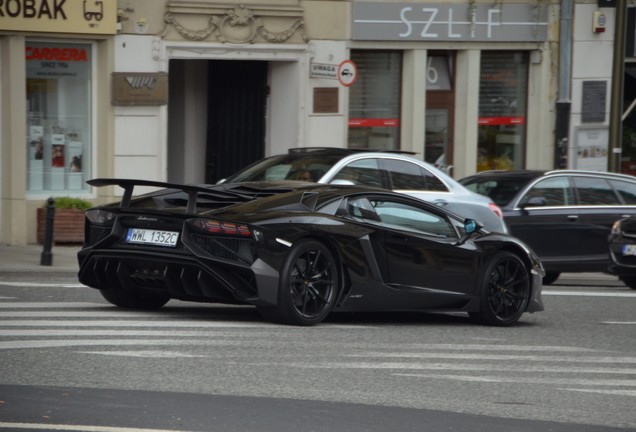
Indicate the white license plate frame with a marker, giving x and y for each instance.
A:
(152, 237)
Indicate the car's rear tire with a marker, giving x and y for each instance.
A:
(308, 286)
(550, 278)
(505, 290)
(630, 281)
(131, 300)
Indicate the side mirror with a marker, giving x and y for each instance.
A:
(471, 225)
(535, 201)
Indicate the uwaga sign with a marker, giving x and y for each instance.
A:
(59, 16)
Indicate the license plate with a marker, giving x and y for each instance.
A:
(629, 249)
(152, 237)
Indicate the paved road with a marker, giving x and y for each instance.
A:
(69, 358)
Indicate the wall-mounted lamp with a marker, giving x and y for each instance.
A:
(599, 21)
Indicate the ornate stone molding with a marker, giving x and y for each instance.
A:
(237, 25)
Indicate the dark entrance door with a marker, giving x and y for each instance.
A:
(236, 116)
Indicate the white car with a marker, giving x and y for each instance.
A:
(396, 171)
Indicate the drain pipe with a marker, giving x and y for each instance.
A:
(564, 102)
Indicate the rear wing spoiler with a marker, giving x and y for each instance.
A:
(191, 190)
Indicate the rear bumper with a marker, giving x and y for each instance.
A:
(183, 277)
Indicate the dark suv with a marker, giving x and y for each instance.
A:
(564, 216)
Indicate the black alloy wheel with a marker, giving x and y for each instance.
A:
(505, 290)
(308, 285)
(132, 300)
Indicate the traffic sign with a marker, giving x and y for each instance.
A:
(347, 73)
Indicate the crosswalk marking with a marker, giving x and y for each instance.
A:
(81, 428)
(94, 329)
(587, 293)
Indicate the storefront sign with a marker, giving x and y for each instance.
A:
(449, 22)
(59, 16)
(137, 88)
(50, 61)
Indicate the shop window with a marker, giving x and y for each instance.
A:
(374, 100)
(59, 117)
(502, 110)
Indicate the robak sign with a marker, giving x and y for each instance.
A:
(59, 16)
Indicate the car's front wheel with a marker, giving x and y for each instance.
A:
(630, 281)
(505, 290)
(132, 300)
(308, 285)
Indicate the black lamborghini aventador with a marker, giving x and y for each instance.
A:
(299, 252)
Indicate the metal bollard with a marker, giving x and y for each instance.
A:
(46, 258)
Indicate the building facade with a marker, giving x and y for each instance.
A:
(191, 91)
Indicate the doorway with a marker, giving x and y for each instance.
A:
(237, 102)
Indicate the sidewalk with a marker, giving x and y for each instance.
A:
(28, 258)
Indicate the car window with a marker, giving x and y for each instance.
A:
(595, 191)
(409, 176)
(363, 176)
(365, 172)
(501, 191)
(397, 215)
(556, 192)
(626, 190)
(304, 167)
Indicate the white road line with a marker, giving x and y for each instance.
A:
(527, 380)
(588, 293)
(38, 305)
(145, 354)
(465, 367)
(499, 357)
(486, 347)
(129, 323)
(620, 322)
(121, 333)
(165, 323)
(43, 285)
(82, 428)
(24, 344)
(85, 314)
(605, 391)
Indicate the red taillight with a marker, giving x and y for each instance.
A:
(221, 227)
(494, 207)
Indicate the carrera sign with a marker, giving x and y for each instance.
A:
(59, 16)
(59, 54)
(54, 61)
